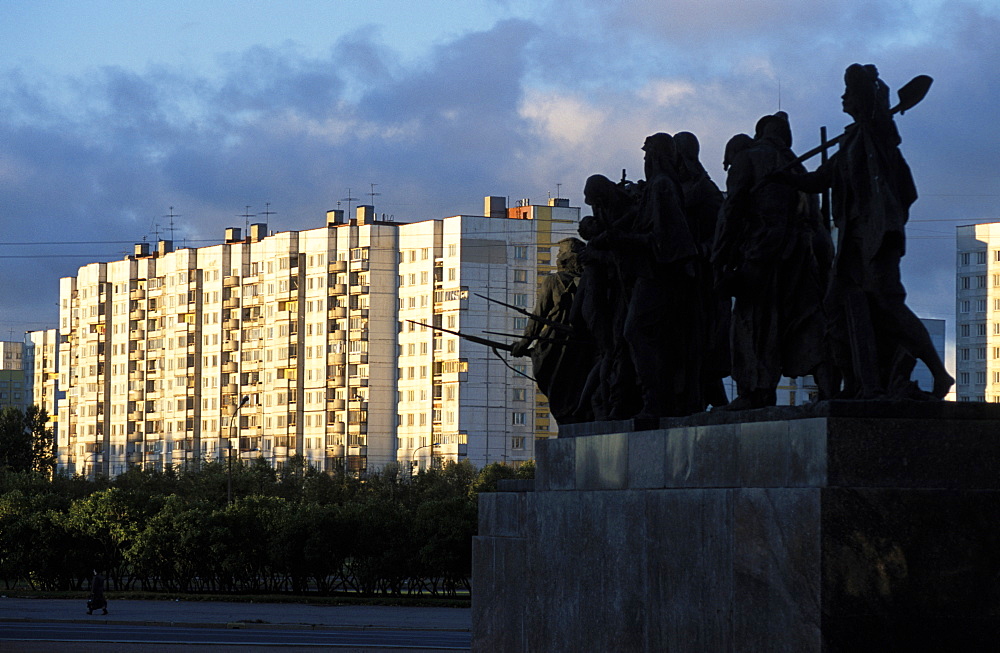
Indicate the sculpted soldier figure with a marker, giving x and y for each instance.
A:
(660, 327)
(561, 360)
(602, 300)
(702, 202)
(872, 329)
(765, 251)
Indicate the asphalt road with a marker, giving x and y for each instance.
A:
(151, 626)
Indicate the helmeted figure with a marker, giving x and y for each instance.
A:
(873, 333)
(603, 298)
(561, 359)
(764, 253)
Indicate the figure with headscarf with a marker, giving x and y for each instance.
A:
(702, 202)
(660, 328)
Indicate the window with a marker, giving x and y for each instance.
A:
(963, 354)
(980, 305)
(520, 299)
(966, 283)
(520, 276)
(520, 394)
(517, 442)
(981, 281)
(963, 377)
(981, 258)
(520, 323)
(964, 330)
(518, 419)
(963, 258)
(520, 251)
(981, 329)
(966, 306)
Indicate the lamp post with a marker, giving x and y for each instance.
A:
(229, 468)
(414, 455)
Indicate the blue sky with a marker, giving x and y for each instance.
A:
(112, 112)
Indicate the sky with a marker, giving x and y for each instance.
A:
(115, 115)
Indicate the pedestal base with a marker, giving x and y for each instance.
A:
(854, 528)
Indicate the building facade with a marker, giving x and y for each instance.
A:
(977, 313)
(14, 388)
(318, 343)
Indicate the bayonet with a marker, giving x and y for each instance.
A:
(476, 339)
(543, 320)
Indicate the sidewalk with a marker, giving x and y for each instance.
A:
(233, 615)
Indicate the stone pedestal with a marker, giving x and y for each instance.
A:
(848, 526)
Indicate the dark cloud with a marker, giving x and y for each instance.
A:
(511, 110)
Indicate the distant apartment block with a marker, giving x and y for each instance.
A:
(315, 343)
(977, 313)
(14, 389)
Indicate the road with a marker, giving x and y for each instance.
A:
(154, 626)
(75, 636)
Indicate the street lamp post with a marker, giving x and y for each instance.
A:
(413, 456)
(229, 432)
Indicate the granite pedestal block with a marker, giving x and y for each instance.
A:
(853, 527)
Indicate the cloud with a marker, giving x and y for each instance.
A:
(515, 108)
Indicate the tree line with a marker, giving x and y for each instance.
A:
(296, 530)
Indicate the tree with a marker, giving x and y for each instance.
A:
(25, 443)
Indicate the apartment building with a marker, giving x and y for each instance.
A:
(977, 313)
(15, 391)
(41, 371)
(317, 343)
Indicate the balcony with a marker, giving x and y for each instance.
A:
(335, 404)
(337, 334)
(337, 266)
(337, 312)
(232, 302)
(135, 395)
(135, 355)
(360, 290)
(230, 282)
(231, 324)
(135, 416)
(358, 358)
(230, 367)
(359, 334)
(338, 288)
(137, 314)
(337, 359)
(359, 381)
(230, 389)
(137, 294)
(230, 345)
(336, 427)
(136, 334)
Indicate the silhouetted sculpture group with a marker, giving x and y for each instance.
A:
(675, 286)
